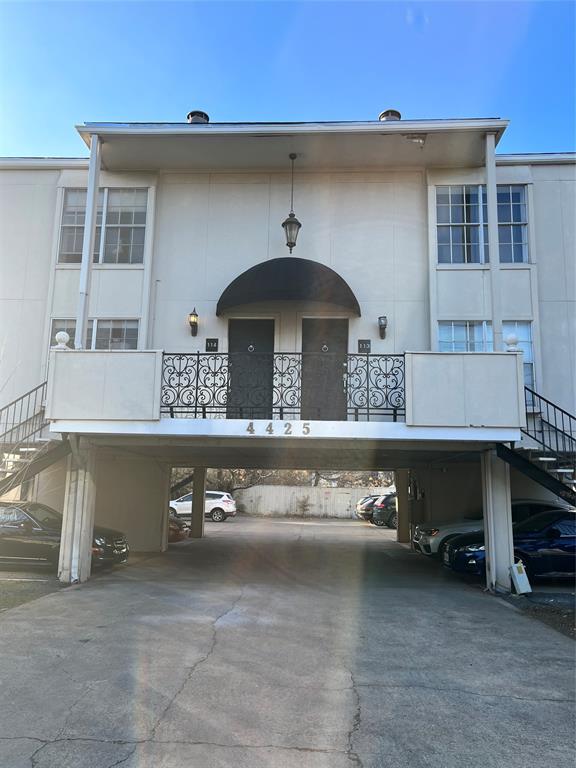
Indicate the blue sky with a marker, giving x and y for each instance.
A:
(66, 63)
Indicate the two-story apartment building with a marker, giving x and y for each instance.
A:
(431, 281)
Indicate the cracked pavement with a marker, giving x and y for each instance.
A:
(282, 644)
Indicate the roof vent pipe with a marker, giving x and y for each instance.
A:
(389, 114)
(197, 116)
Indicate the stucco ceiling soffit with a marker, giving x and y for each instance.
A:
(265, 147)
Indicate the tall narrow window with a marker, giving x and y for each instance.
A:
(122, 214)
(512, 223)
(72, 230)
(522, 329)
(465, 336)
(462, 229)
(125, 226)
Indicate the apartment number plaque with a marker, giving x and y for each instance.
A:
(364, 346)
(211, 345)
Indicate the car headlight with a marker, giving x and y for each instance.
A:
(473, 548)
(430, 531)
(100, 541)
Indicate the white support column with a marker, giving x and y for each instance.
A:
(492, 204)
(78, 520)
(497, 522)
(198, 502)
(88, 242)
(403, 506)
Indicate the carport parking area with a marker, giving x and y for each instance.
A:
(284, 643)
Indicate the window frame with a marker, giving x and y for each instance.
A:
(98, 256)
(509, 224)
(487, 336)
(481, 226)
(92, 331)
(527, 365)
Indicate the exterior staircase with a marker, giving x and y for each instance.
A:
(25, 448)
(549, 454)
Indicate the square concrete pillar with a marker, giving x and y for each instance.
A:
(198, 502)
(497, 505)
(78, 519)
(133, 497)
(403, 505)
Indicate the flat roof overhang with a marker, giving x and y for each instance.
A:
(279, 454)
(203, 147)
(336, 445)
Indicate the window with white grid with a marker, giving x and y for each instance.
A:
(522, 329)
(116, 334)
(72, 229)
(70, 327)
(123, 212)
(512, 223)
(465, 336)
(461, 224)
(125, 226)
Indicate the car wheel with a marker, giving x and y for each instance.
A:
(442, 548)
(378, 522)
(218, 515)
(172, 511)
(392, 521)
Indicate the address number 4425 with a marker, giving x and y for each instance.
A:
(281, 428)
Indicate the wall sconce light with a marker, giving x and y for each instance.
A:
(193, 322)
(382, 325)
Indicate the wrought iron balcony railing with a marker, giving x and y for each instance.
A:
(283, 385)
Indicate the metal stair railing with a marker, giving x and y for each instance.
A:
(24, 417)
(550, 426)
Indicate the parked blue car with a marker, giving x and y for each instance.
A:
(546, 544)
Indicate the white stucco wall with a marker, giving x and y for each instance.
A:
(27, 215)
(301, 501)
(555, 239)
(370, 228)
(204, 229)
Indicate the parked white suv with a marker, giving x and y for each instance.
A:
(431, 538)
(218, 506)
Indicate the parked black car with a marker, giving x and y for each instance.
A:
(30, 533)
(384, 511)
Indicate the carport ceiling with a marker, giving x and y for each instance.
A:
(271, 454)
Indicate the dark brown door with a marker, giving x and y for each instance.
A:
(324, 351)
(251, 362)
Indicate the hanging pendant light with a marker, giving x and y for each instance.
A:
(291, 225)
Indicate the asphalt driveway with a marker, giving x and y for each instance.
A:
(287, 644)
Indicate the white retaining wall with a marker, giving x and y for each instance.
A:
(301, 501)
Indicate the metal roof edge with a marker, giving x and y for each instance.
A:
(537, 158)
(86, 130)
(42, 163)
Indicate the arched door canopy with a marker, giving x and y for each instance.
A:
(288, 279)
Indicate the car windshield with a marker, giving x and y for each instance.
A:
(45, 516)
(538, 522)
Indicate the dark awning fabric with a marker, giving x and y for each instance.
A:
(288, 279)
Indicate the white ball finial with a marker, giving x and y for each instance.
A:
(511, 342)
(62, 339)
